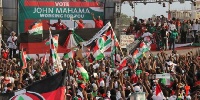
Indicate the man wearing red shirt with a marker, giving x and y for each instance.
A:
(58, 25)
(98, 21)
(80, 24)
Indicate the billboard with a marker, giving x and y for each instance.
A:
(49, 11)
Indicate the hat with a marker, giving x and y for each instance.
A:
(13, 32)
(137, 89)
(94, 87)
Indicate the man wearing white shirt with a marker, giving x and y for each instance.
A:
(12, 44)
(195, 27)
(172, 26)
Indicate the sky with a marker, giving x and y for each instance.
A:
(146, 11)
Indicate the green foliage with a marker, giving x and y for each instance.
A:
(124, 19)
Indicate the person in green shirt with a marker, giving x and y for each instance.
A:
(173, 37)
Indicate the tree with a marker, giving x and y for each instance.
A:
(125, 19)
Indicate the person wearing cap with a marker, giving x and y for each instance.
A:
(59, 25)
(98, 22)
(12, 44)
(173, 37)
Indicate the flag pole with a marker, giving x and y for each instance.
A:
(119, 45)
(50, 37)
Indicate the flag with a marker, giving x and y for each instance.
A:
(44, 58)
(104, 42)
(122, 63)
(97, 54)
(28, 57)
(114, 47)
(50, 88)
(72, 41)
(137, 54)
(55, 40)
(36, 29)
(53, 52)
(159, 92)
(23, 57)
(91, 58)
(143, 47)
(70, 54)
(82, 71)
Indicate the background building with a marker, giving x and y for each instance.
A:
(181, 14)
(195, 10)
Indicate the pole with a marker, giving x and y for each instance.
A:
(169, 12)
(134, 8)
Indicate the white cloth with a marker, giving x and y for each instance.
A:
(11, 42)
(137, 89)
(173, 97)
(172, 27)
(80, 94)
(102, 83)
(96, 66)
(195, 26)
(118, 95)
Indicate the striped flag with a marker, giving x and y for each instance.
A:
(122, 63)
(159, 92)
(44, 58)
(53, 53)
(72, 41)
(55, 40)
(36, 29)
(144, 47)
(70, 54)
(23, 57)
(97, 54)
(114, 48)
(137, 55)
(83, 72)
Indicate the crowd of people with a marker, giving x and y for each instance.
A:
(164, 31)
(107, 83)
(110, 83)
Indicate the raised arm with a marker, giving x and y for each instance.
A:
(93, 16)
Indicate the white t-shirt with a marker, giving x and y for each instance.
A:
(173, 97)
(195, 27)
(11, 43)
(7, 79)
(118, 95)
(172, 27)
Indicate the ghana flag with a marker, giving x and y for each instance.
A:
(50, 88)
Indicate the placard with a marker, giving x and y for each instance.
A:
(132, 45)
(165, 75)
(126, 40)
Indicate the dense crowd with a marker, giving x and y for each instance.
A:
(162, 30)
(111, 83)
(107, 83)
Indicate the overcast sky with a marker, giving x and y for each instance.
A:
(146, 11)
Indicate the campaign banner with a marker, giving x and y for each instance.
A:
(126, 40)
(49, 11)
